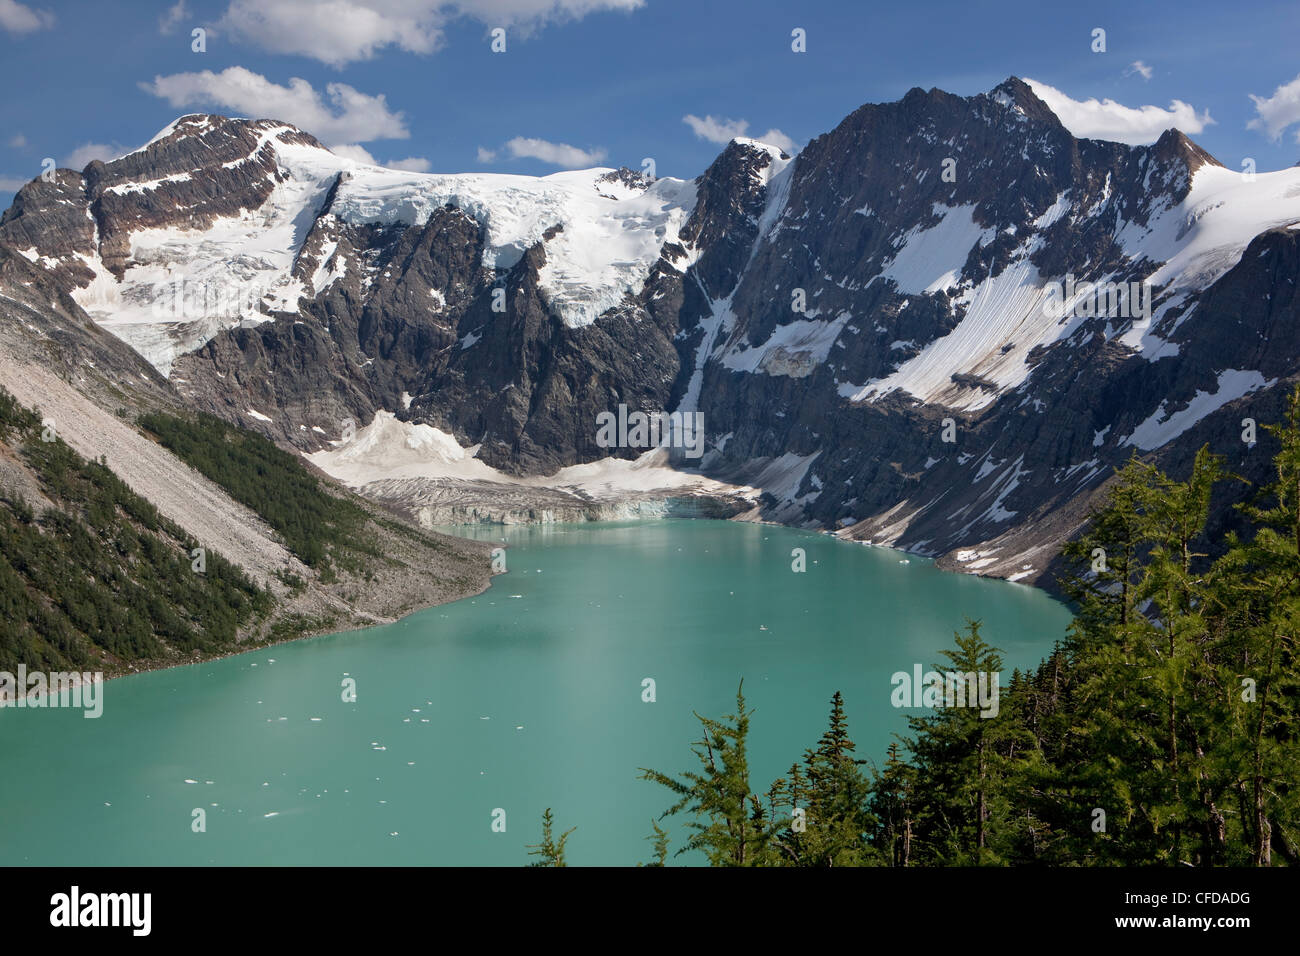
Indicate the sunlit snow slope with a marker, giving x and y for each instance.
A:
(183, 278)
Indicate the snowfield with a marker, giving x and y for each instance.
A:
(1186, 247)
(930, 260)
(1164, 426)
(610, 235)
(1004, 322)
(603, 252)
(390, 448)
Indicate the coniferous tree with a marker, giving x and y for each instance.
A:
(729, 824)
(550, 850)
(1258, 599)
(962, 778)
(787, 801)
(1139, 654)
(659, 839)
(891, 808)
(838, 819)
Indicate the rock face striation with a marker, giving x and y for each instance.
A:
(940, 326)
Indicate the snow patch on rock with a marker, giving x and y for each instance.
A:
(1163, 426)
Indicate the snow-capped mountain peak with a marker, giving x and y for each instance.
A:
(1054, 303)
(224, 206)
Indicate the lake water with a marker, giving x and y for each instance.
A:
(525, 697)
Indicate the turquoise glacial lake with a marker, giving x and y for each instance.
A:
(526, 697)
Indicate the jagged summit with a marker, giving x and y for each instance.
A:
(769, 148)
(225, 201)
(1175, 144)
(1014, 93)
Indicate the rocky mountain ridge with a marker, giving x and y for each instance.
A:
(897, 334)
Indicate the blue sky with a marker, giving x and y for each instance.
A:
(416, 81)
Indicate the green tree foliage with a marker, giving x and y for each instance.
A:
(730, 824)
(659, 839)
(966, 764)
(832, 791)
(101, 578)
(550, 850)
(893, 806)
(1254, 608)
(318, 527)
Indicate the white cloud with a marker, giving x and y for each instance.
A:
(777, 138)
(414, 164)
(353, 151)
(11, 184)
(173, 18)
(486, 155)
(17, 141)
(557, 154)
(349, 116)
(17, 18)
(1275, 113)
(717, 130)
(1137, 66)
(83, 154)
(338, 32)
(1136, 126)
